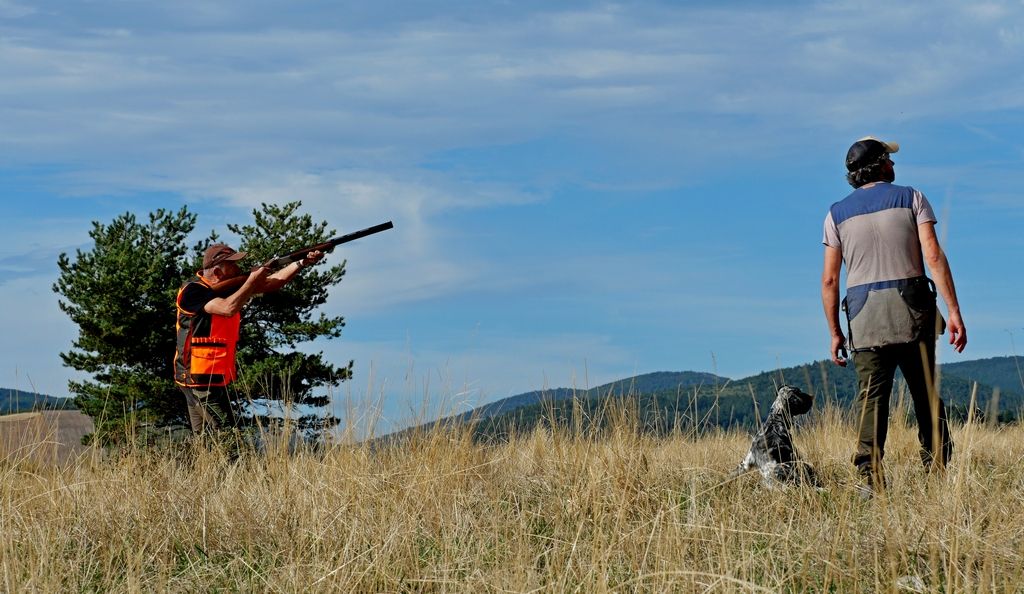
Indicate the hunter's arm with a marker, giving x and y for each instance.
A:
(285, 275)
(281, 277)
(830, 301)
(938, 265)
(232, 304)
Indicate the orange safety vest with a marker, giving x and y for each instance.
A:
(205, 354)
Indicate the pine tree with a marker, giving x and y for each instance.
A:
(121, 294)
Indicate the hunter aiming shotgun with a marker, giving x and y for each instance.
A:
(234, 283)
(209, 317)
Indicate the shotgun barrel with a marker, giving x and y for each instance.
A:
(326, 246)
(232, 284)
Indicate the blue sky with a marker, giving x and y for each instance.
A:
(581, 191)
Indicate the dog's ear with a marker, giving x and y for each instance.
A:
(797, 401)
(801, 403)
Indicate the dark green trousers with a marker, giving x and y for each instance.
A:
(875, 371)
(209, 409)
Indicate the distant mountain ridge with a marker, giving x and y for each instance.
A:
(1005, 373)
(647, 382)
(664, 401)
(18, 401)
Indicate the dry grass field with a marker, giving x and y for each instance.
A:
(547, 512)
(49, 436)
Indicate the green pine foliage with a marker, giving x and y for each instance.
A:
(121, 293)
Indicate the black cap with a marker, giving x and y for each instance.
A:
(868, 150)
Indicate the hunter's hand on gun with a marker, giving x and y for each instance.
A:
(285, 275)
(256, 282)
(312, 258)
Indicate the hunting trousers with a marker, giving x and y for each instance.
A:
(876, 369)
(209, 409)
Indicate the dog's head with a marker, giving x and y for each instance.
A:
(796, 401)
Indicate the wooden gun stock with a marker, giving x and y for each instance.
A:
(231, 285)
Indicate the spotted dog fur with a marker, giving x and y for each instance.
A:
(771, 451)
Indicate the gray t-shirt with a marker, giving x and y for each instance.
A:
(876, 230)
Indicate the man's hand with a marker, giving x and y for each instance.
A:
(838, 350)
(957, 332)
(259, 275)
(257, 280)
(312, 258)
(282, 277)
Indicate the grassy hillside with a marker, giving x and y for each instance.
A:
(725, 404)
(549, 511)
(646, 383)
(50, 436)
(1005, 373)
(16, 401)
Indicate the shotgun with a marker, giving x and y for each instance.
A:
(232, 284)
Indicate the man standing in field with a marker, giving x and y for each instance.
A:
(880, 231)
(208, 323)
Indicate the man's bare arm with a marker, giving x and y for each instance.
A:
(830, 301)
(285, 275)
(232, 304)
(281, 277)
(935, 258)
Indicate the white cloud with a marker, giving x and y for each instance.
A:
(301, 96)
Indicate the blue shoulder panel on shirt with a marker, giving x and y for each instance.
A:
(874, 199)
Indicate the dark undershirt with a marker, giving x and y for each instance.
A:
(195, 297)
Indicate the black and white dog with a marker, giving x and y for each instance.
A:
(772, 452)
